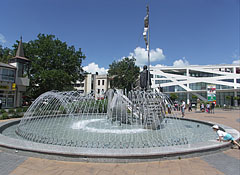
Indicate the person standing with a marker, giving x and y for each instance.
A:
(183, 105)
(0, 104)
(208, 108)
(212, 107)
(202, 107)
(189, 107)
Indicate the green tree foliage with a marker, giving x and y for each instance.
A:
(54, 65)
(124, 73)
(173, 96)
(228, 98)
(5, 54)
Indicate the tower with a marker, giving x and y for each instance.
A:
(22, 71)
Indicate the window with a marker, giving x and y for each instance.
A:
(159, 76)
(98, 91)
(98, 82)
(8, 75)
(102, 82)
(162, 81)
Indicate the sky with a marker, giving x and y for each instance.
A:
(182, 32)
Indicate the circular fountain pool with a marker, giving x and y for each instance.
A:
(135, 125)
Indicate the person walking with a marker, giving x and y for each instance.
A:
(224, 136)
(183, 105)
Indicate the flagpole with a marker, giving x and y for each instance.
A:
(148, 50)
(146, 37)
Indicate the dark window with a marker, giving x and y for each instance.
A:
(98, 82)
(102, 82)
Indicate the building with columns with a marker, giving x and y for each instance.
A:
(14, 79)
(193, 80)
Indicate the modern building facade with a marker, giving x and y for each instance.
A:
(192, 81)
(98, 84)
(14, 79)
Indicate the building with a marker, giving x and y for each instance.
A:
(98, 84)
(192, 81)
(14, 79)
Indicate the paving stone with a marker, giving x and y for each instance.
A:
(224, 163)
(8, 162)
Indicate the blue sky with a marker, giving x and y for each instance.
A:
(182, 32)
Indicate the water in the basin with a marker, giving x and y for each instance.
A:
(138, 120)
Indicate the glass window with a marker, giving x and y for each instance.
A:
(162, 81)
(228, 80)
(99, 82)
(102, 82)
(159, 76)
(8, 75)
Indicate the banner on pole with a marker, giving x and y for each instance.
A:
(211, 92)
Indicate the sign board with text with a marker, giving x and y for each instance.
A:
(211, 92)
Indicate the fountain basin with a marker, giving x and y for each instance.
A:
(8, 140)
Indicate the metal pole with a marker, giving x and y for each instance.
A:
(148, 50)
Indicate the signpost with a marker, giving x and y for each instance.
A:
(211, 93)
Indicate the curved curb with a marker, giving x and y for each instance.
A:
(131, 153)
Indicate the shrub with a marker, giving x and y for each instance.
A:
(19, 110)
(11, 111)
(3, 110)
(16, 115)
(5, 116)
(25, 109)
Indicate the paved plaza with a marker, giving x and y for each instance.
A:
(221, 162)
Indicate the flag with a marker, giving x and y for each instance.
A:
(146, 25)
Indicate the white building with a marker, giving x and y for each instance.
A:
(193, 80)
(98, 84)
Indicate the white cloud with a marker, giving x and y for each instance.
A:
(181, 63)
(2, 39)
(141, 55)
(159, 65)
(236, 62)
(93, 68)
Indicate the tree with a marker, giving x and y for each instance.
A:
(5, 54)
(54, 65)
(173, 96)
(228, 98)
(236, 98)
(124, 73)
(194, 97)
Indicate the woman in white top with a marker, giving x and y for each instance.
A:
(224, 136)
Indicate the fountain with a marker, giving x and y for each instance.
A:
(134, 125)
(117, 121)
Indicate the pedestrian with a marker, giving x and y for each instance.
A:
(212, 107)
(224, 136)
(190, 107)
(0, 104)
(183, 105)
(208, 108)
(202, 107)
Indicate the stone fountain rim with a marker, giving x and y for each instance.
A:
(139, 153)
